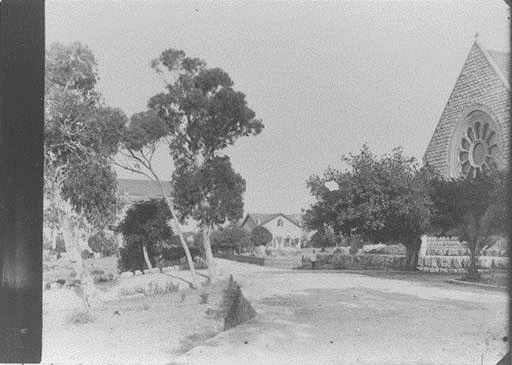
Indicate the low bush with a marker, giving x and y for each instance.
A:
(153, 288)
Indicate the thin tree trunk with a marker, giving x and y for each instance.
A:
(209, 254)
(473, 273)
(146, 257)
(177, 229)
(411, 256)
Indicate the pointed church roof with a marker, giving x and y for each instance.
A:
(499, 61)
(484, 78)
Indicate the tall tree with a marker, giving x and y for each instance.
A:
(140, 140)
(381, 199)
(80, 136)
(473, 208)
(211, 194)
(202, 115)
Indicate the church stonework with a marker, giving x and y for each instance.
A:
(473, 132)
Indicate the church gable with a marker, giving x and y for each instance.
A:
(472, 133)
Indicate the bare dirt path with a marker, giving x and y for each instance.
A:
(341, 318)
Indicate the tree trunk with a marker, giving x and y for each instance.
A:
(209, 254)
(177, 228)
(473, 274)
(146, 257)
(88, 290)
(411, 255)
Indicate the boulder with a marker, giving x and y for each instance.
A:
(138, 273)
(126, 274)
(148, 271)
(155, 270)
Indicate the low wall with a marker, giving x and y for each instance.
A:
(256, 260)
(277, 262)
(338, 261)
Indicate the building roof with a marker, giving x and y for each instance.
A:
(502, 61)
(483, 79)
(261, 219)
(138, 189)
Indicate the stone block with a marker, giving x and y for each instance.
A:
(155, 270)
(126, 274)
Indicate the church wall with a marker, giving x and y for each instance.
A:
(477, 85)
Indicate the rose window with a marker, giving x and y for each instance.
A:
(479, 150)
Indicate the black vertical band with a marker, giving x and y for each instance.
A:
(21, 179)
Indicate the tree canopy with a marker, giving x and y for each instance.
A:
(231, 238)
(81, 133)
(145, 232)
(260, 236)
(473, 208)
(383, 199)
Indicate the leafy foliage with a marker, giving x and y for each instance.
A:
(381, 199)
(103, 244)
(81, 133)
(145, 225)
(260, 236)
(473, 209)
(204, 115)
(210, 194)
(231, 238)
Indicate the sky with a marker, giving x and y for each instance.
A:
(325, 77)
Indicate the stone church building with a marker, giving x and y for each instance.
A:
(473, 132)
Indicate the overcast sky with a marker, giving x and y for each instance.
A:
(325, 77)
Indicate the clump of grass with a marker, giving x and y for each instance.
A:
(80, 317)
(153, 288)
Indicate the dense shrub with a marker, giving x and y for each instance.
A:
(145, 225)
(173, 254)
(103, 244)
(231, 239)
(260, 236)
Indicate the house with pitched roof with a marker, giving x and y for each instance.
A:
(286, 229)
(472, 134)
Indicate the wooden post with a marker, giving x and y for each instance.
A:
(21, 179)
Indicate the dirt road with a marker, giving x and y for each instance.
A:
(339, 318)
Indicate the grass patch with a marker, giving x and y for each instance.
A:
(153, 288)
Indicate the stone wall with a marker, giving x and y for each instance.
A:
(339, 261)
(448, 254)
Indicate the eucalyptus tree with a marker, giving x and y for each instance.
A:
(199, 115)
(81, 134)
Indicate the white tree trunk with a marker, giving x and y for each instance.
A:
(209, 254)
(177, 228)
(87, 288)
(146, 257)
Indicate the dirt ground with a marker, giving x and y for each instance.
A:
(348, 318)
(303, 317)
